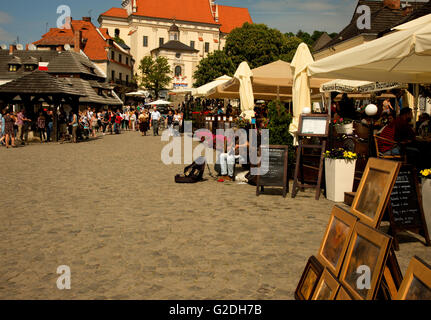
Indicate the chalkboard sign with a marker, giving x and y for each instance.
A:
(405, 207)
(404, 200)
(276, 175)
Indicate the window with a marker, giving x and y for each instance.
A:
(127, 79)
(207, 47)
(13, 68)
(113, 75)
(120, 58)
(121, 76)
(192, 44)
(117, 33)
(178, 55)
(113, 55)
(29, 67)
(145, 41)
(127, 60)
(161, 41)
(178, 71)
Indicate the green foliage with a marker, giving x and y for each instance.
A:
(255, 43)
(118, 40)
(279, 122)
(155, 74)
(215, 65)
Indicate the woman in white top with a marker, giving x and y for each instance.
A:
(132, 120)
(177, 121)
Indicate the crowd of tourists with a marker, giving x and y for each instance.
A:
(85, 124)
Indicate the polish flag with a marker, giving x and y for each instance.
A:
(43, 66)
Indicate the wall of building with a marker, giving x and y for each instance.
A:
(155, 29)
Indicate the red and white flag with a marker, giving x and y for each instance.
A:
(43, 66)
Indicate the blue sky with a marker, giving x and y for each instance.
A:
(28, 19)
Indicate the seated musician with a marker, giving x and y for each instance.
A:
(234, 152)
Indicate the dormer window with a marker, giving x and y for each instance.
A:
(174, 33)
(13, 67)
(29, 67)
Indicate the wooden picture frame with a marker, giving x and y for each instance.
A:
(374, 190)
(336, 239)
(310, 277)
(343, 294)
(416, 284)
(327, 287)
(368, 247)
(313, 125)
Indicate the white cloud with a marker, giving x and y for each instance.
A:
(5, 18)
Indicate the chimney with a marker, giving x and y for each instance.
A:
(392, 4)
(407, 9)
(86, 19)
(12, 48)
(78, 41)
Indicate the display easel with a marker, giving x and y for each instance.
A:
(317, 126)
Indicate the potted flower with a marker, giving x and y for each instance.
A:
(340, 173)
(344, 126)
(426, 195)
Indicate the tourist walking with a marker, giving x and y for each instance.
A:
(170, 123)
(74, 125)
(50, 123)
(21, 122)
(41, 126)
(8, 128)
(155, 117)
(143, 123)
(177, 122)
(94, 125)
(2, 136)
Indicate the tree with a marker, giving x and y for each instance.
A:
(289, 48)
(155, 74)
(278, 126)
(255, 43)
(215, 65)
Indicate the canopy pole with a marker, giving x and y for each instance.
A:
(415, 113)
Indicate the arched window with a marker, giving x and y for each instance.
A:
(178, 71)
(117, 32)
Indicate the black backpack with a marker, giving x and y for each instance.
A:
(192, 173)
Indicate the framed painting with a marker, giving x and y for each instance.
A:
(311, 275)
(365, 260)
(336, 239)
(327, 287)
(416, 284)
(374, 190)
(343, 294)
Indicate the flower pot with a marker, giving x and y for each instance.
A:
(339, 174)
(426, 202)
(344, 128)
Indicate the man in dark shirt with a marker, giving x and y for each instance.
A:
(404, 133)
(405, 136)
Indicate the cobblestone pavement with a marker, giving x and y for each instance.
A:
(110, 210)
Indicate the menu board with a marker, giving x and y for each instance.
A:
(406, 209)
(276, 175)
(314, 125)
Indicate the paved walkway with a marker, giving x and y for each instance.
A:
(111, 211)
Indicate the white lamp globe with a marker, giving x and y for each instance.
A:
(306, 110)
(371, 110)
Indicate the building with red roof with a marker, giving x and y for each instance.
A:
(146, 27)
(111, 57)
